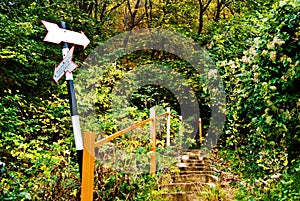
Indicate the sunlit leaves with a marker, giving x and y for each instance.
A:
(263, 94)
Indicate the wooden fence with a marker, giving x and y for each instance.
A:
(90, 145)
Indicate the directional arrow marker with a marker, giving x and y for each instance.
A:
(56, 35)
(66, 65)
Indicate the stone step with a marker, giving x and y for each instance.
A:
(194, 151)
(210, 172)
(184, 187)
(179, 196)
(194, 168)
(204, 178)
(196, 171)
(191, 156)
(194, 161)
(191, 163)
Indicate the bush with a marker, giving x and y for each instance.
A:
(114, 185)
(263, 97)
(36, 150)
(276, 187)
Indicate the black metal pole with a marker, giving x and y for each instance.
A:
(73, 108)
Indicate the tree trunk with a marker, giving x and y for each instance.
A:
(202, 8)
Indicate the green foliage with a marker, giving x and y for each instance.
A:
(214, 193)
(262, 129)
(276, 187)
(36, 142)
(255, 43)
(263, 98)
(35, 148)
(112, 185)
(27, 63)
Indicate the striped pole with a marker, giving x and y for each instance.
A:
(73, 108)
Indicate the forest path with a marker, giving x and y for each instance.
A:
(195, 172)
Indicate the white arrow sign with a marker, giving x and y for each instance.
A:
(66, 65)
(56, 35)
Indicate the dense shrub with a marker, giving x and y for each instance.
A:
(36, 149)
(263, 97)
(261, 140)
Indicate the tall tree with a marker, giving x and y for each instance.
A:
(132, 16)
(203, 6)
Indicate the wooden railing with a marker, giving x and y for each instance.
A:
(90, 145)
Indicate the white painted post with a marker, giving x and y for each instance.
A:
(168, 126)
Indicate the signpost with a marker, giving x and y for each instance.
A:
(67, 65)
(57, 35)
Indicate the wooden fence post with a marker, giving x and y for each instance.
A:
(180, 132)
(200, 130)
(168, 126)
(153, 140)
(88, 163)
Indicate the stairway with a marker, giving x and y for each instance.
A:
(194, 173)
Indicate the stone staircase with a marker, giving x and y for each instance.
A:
(194, 173)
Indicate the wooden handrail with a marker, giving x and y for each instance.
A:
(163, 114)
(90, 144)
(121, 132)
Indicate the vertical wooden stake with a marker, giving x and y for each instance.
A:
(153, 140)
(87, 183)
(168, 126)
(200, 130)
(180, 133)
